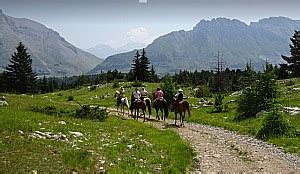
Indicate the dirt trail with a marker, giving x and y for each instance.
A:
(220, 150)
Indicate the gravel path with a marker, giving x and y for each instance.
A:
(220, 150)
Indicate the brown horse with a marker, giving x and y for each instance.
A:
(181, 107)
(161, 105)
(136, 106)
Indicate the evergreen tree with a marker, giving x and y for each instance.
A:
(294, 60)
(168, 89)
(145, 76)
(44, 86)
(248, 76)
(136, 66)
(19, 73)
(153, 75)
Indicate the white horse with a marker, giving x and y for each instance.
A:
(124, 102)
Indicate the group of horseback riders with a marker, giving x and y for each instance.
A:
(143, 93)
(140, 100)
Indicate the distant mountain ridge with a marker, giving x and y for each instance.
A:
(103, 50)
(51, 53)
(196, 49)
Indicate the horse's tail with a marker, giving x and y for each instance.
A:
(188, 109)
(166, 109)
(126, 102)
(148, 103)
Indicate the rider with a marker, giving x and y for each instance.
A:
(144, 93)
(121, 95)
(159, 95)
(178, 97)
(136, 96)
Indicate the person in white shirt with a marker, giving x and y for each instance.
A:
(144, 93)
(135, 97)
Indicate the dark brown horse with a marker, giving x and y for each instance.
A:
(136, 106)
(161, 105)
(181, 107)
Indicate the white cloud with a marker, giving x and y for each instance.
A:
(139, 34)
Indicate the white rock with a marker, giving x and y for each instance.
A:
(62, 122)
(77, 134)
(20, 132)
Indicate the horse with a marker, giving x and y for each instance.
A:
(148, 104)
(161, 104)
(139, 104)
(124, 102)
(181, 107)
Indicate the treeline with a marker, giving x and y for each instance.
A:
(19, 77)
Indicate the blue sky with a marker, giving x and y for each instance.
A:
(86, 23)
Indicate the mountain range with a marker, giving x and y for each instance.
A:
(103, 50)
(237, 43)
(51, 54)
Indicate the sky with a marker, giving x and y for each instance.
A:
(87, 23)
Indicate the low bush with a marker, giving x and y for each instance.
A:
(70, 98)
(91, 112)
(274, 125)
(137, 84)
(85, 111)
(202, 92)
(116, 84)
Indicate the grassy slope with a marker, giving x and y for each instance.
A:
(206, 116)
(101, 141)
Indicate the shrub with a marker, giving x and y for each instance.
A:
(137, 84)
(289, 83)
(70, 98)
(168, 88)
(91, 112)
(116, 84)
(257, 97)
(219, 102)
(202, 92)
(246, 104)
(274, 125)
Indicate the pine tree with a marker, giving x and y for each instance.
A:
(19, 73)
(136, 66)
(145, 76)
(294, 60)
(153, 75)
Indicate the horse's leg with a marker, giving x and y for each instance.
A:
(144, 113)
(163, 116)
(180, 119)
(175, 117)
(149, 108)
(157, 116)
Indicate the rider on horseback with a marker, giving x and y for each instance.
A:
(120, 95)
(136, 96)
(159, 95)
(144, 93)
(178, 97)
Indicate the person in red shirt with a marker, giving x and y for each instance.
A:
(159, 95)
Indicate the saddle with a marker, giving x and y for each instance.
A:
(160, 99)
